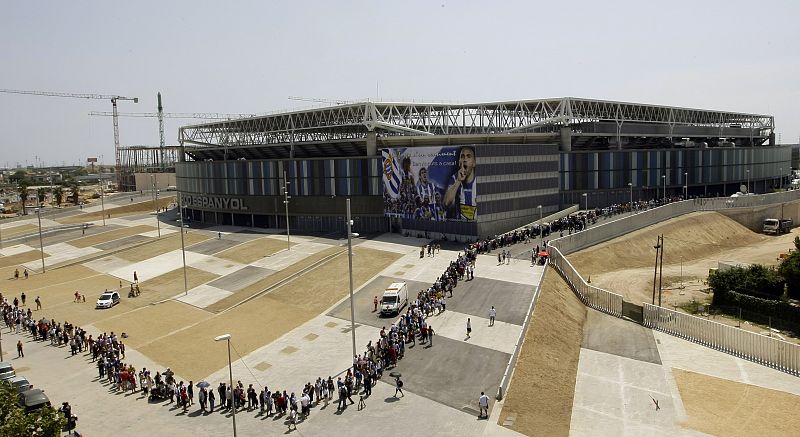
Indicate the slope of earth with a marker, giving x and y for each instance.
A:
(540, 395)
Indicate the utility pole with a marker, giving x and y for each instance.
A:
(661, 270)
(657, 247)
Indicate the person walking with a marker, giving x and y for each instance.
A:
(23, 298)
(375, 304)
(38, 303)
(483, 404)
(430, 336)
(20, 353)
(492, 315)
(398, 387)
(469, 328)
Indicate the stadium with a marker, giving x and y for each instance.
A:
(466, 170)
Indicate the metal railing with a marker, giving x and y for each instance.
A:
(758, 348)
(591, 296)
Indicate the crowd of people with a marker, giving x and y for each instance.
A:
(107, 352)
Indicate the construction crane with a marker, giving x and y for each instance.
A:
(315, 100)
(187, 115)
(114, 113)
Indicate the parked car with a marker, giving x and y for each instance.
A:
(21, 383)
(6, 371)
(33, 399)
(108, 299)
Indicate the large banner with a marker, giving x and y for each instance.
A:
(430, 183)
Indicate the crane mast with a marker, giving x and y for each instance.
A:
(115, 115)
(161, 130)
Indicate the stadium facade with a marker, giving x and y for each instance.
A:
(466, 169)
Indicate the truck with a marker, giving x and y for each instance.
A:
(395, 297)
(777, 226)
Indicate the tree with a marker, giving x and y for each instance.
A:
(756, 280)
(40, 194)
(22, 190)
(790, 270)
(58, 193)
(45, 422)
(19, 176)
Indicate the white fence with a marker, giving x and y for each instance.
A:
(591, 296)
(761, 349)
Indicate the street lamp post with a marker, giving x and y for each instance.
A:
(541, 227)
(155, 203)
(183, 244)
(780, 187)
(630, 187)
(41, 243)
(286, 198)
(748, 181)
(585, 201)
(350, 265)
(227, 338)
(664, 185)
(685, 186)
(102, 202)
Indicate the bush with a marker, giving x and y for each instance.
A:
(790, 270)
(756, 280)
(784, 315)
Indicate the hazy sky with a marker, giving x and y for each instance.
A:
(248, 57)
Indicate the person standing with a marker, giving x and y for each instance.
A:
(430, 336)
(20, 353)
(190, 391)
(469, 328)
(483, 403)
(492, 315)
(211, 399)
(135, 277)
(23, 298)
(38, 303)
(375, 304)
(25, 272)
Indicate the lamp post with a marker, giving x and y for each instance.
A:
(102, 202)
(155, 203)
(41, 243)
(585, 201)
(541, 227)
(630, 187)
(227, 338)
(286, 198)
(748, 181)
(183, 244)
(664, 185)
(685, 185)
(780, 183)
(350, 235)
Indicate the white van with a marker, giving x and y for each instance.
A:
(395, 297)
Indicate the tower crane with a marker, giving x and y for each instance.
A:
(161, 115)
(315, 100)
(114, 113)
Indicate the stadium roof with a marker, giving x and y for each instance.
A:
(353, 122)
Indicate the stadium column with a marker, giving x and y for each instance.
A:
(566, 139)
(372, 147)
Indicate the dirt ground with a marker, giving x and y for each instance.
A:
(112, 235)
(693, 244)
(16, 261)
(262, 320)
(540, 394)
(252, 251)
(165, 244)
(726, 408)
(147, 323)
(18, 230)
(119, 211)
(271, 280)
(169, 285)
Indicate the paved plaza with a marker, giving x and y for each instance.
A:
(288, 310)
